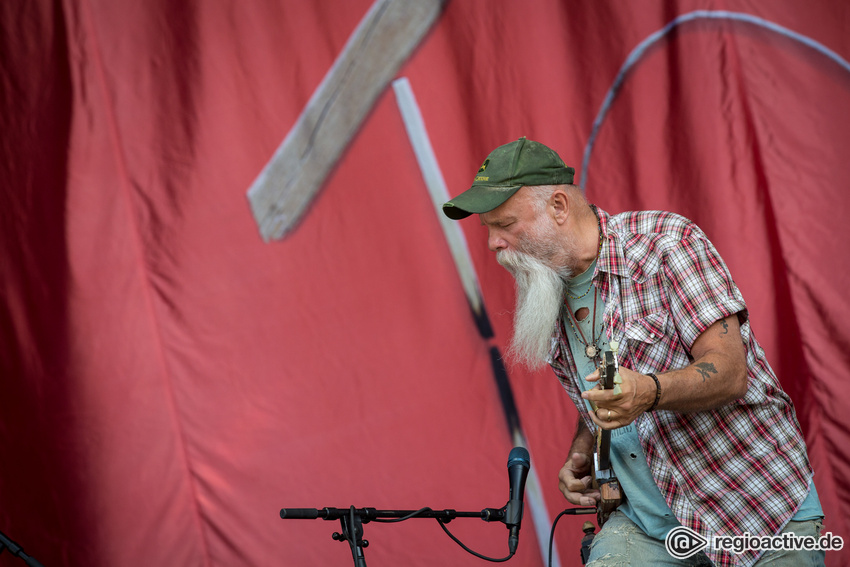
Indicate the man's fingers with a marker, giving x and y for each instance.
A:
(579, 462)
(589, 498)
(575, 483)
(589, 501)
(613, 423)
(597, 395)
(578, 484)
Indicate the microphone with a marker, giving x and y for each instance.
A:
(518, 464)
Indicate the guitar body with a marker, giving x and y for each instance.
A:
(609, 501)
(609, 487)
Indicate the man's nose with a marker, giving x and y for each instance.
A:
(496, 242)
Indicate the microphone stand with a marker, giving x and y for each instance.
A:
(15, 549)
(352, 520)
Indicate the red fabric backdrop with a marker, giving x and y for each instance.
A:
(170, 381)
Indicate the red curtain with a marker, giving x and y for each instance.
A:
(171, 380)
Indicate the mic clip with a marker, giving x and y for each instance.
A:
(513, 512)
(493, 514)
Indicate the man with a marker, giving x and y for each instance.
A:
(702, 434)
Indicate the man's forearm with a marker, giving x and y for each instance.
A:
(710, 382)
(716, 377)
(584, 439)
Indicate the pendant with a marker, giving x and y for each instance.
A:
(591, 351)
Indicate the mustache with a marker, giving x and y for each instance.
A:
(517, 262)
(520, 264)
(508, 259)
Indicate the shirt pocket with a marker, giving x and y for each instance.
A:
(652, 343)
(649, 329)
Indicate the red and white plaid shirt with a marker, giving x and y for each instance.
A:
(742, 468)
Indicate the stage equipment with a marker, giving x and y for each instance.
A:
(353, 519)
(17, 550)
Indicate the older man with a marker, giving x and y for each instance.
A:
(703, 436)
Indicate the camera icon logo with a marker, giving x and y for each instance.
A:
(682, 542)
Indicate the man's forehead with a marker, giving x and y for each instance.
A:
(493, 218)
(499, 214)
(509, 209)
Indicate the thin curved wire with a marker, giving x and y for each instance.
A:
(403, 518)
(468, 550)
(639, 51)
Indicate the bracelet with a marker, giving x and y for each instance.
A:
(657, 391)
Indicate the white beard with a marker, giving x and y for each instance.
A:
(540, 291)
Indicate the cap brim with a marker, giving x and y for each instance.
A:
(478, 199)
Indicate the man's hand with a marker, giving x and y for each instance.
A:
(575, 481)
(613, 411)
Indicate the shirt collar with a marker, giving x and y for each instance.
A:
(611, 247)
(612, 259)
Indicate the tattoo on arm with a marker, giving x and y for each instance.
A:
(725, 328)
(704, 368)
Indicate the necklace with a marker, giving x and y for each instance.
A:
(599, 228)
(598, 250)
(589, 287)
(591, 351)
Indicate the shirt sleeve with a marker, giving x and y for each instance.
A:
(701, 289)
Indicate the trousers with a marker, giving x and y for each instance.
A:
(621, 543)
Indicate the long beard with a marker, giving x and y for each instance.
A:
(540, 291)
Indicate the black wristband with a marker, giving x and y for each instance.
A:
(657, 391)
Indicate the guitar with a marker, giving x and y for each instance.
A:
(606, 480)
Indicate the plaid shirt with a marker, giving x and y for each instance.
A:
(741, 468)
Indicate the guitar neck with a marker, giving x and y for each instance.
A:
(609, 487)
(608, 371)
(604, 449)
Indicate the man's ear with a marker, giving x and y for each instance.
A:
(560, 203)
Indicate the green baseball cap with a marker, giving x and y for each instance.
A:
(517, 164)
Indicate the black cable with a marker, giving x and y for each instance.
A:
(445, 529)
(394, 520)
(552, 534)
(478, 555)
(571, 511)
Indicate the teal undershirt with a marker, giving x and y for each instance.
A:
(644, 504)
